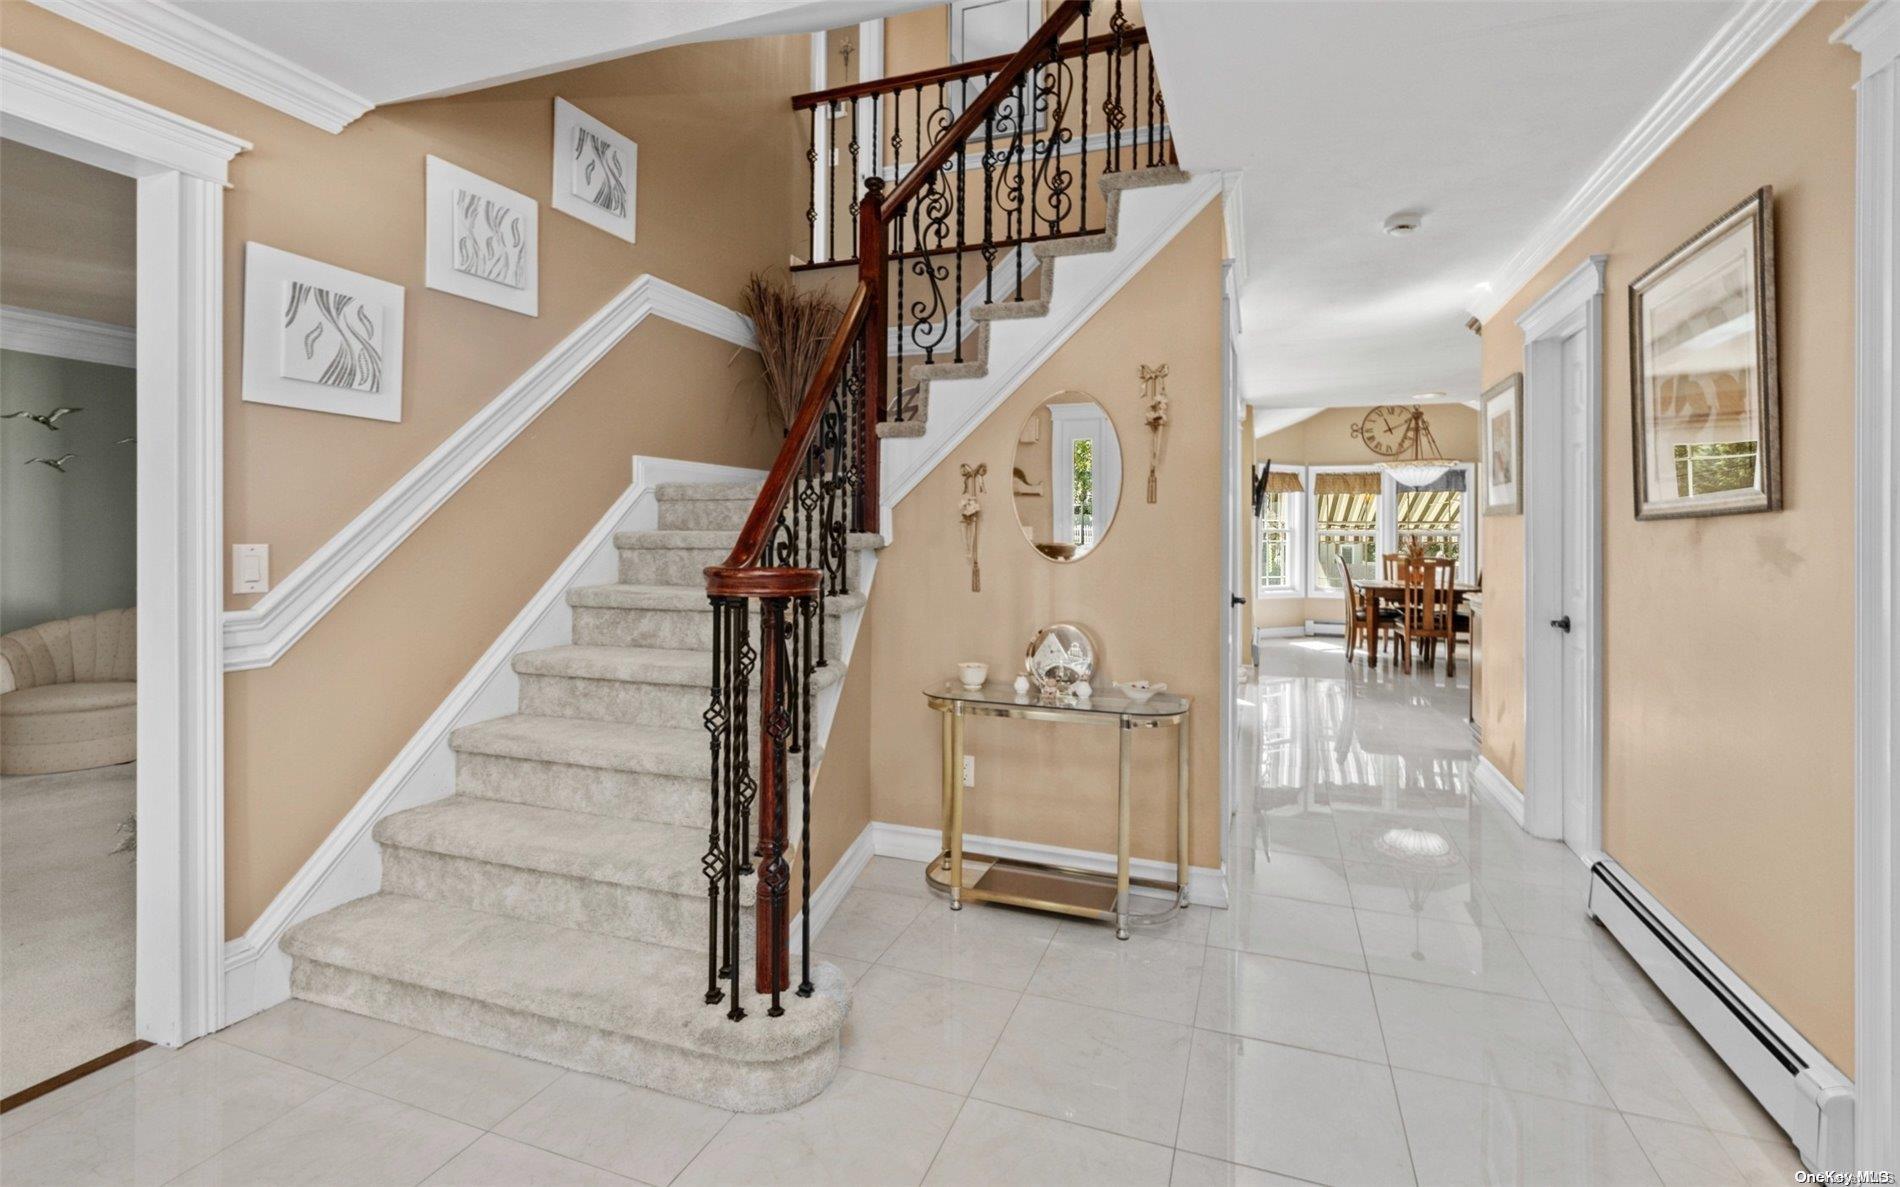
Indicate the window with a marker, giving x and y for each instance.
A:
(1346, 519)
(1433, 519)
(1279, 556)
(1082, 493)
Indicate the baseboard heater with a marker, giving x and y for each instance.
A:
(1805, 1094)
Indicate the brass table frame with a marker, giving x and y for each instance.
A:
(1019, 875)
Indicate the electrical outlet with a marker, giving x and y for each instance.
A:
(250, 568)
(969, 770)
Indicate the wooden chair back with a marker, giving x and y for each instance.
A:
(1427, 597)
(1391, 565)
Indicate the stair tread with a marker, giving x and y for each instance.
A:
(705, 538)
(583, 742)
(693, 492)
(626, 596)
(605, 982)
(616, 849)
(642, 665)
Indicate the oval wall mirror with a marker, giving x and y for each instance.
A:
(1067, 477)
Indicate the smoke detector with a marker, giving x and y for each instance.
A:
(1403, 223)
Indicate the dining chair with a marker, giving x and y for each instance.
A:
(1367, 617)
(1425, 609)
(1391, 565)
(1355, 611)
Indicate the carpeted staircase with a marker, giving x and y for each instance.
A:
(554, 905)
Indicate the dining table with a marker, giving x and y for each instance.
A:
(1378, 590)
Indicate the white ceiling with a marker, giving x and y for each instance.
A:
(390, 50)
(1485, 117)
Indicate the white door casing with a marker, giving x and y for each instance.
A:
(181, 167)
(1070, 423)
(1563, 545)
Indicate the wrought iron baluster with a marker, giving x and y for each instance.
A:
(1084, 224)
(774, 726)
(714, 863)
(989, 206)
(737, 806)
(857, 105)
(809, 608)
(897, 223)
(1016, 221)
(811, 190)
(956, 292)
(831, 181)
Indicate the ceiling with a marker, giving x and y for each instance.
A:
(67, 237)
(1483, 117)
(389, 50)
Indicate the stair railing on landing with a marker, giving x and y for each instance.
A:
(794, 548)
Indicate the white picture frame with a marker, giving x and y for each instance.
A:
(483, 239)
(319, 337)
(1501, 413)
(593, 166)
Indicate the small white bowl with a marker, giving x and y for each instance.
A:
(973, 675)
(1140, 690)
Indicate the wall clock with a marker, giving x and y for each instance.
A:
(1390, 428)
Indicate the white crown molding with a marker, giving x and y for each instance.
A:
(259, 636)
(64, 337)
(1234, 215)
(1207, 885)
(48, 108)
(348, 864)
(1735, 47)
(192, 43)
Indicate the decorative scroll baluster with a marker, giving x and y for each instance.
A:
(856, 171)
(989, 206)
(811, 200)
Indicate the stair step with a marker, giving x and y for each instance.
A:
(598, 767)
(675, 617)
(673, 557)
(629, 878)
(1010, 310)
(692, 492)
(614, 1007)
(640, 685)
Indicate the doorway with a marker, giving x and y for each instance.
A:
(1563, 544)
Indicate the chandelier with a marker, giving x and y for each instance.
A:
(1421, 468)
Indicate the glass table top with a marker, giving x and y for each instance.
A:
(1107, 701)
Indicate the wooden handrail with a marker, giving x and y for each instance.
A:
(952, 138)
(1100, 43)
(743, 574)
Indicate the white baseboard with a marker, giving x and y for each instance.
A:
(836, 884)
(1207, 887)
(1315, 627)
(258, 636)
(1279, 632)
(1492, 782)
(1805, 1093)
(348, 864)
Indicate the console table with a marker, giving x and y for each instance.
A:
(1045, 886)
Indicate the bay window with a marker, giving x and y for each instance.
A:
(1358, 514)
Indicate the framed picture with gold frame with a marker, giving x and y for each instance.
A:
(1501, 408)
(1705, 397)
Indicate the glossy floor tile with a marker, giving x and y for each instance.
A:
(1405, 990)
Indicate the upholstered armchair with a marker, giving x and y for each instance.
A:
(69, 694)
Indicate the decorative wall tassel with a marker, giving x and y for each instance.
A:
(1154, 398)
(971, 512)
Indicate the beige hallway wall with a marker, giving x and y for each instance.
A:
(718, 168)
(1728, 641)
(1149, 594)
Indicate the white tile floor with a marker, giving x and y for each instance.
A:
(1405, 990)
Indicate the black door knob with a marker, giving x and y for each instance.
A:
(1562, 624)
(1237, 599)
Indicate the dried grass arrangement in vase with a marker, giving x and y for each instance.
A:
(793, 329)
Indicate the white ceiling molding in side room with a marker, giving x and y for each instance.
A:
(192, 43)
(63, 337)
(63, 113)
(259, 636)
(1736, 46)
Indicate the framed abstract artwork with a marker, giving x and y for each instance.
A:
(483, 239)
(319, 337)
(1705, 397)
(596, 171)
(1502, 410)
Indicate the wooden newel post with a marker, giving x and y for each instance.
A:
(774, 928)
(871, 266)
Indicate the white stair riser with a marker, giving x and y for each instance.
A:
(634, 912)
(687, 566)
(723, 1083)
(685, 630)
(703, 515)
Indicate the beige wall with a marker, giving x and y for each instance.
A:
(1325, 439)
(67, 237)
(1728, 644)
(1136, 593)
(718, 169)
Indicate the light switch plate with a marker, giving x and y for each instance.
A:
(969, 770)
(250, 568)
